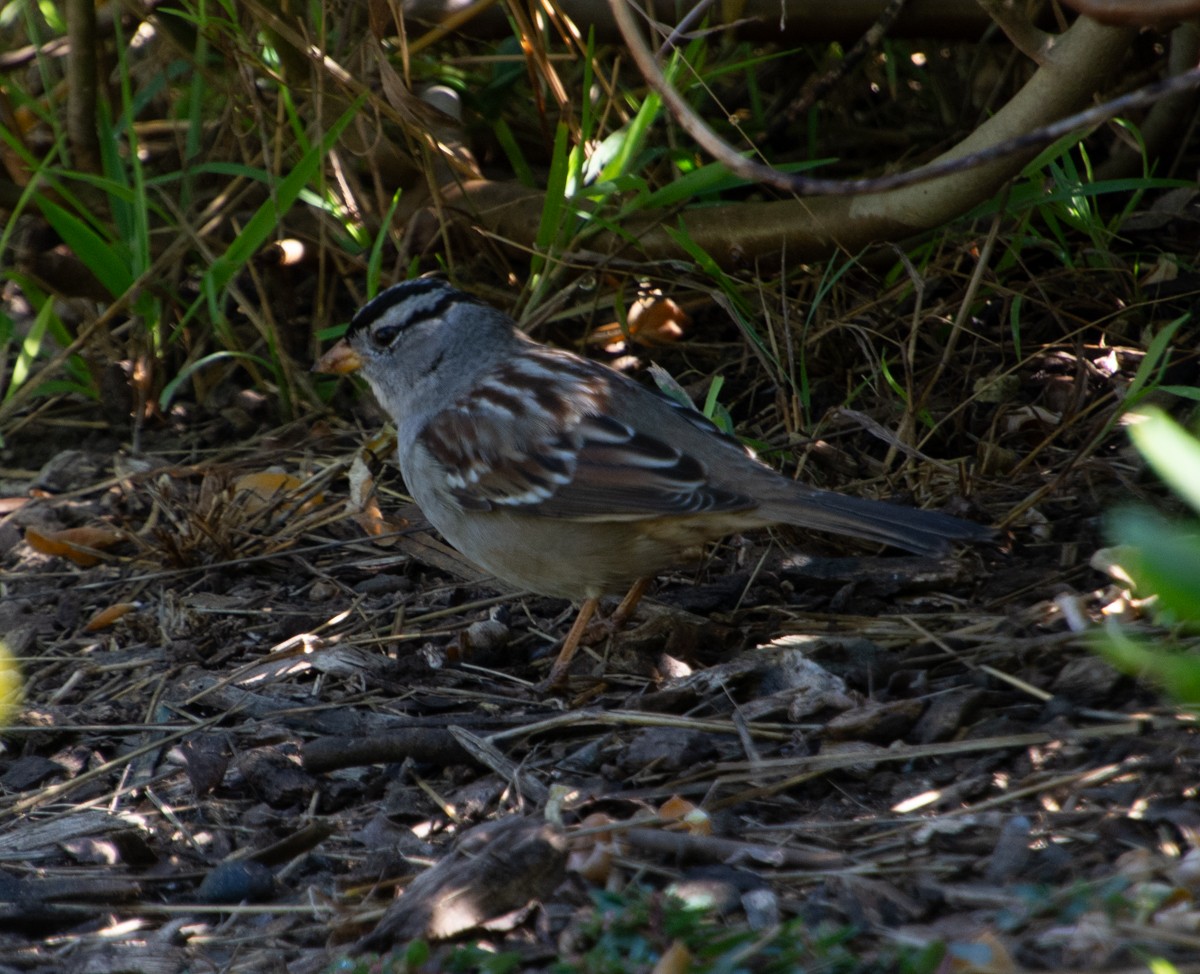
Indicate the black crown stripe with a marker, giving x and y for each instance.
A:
(401, 293)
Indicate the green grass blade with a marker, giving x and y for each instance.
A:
(261, 225)
(1154, 365)
(710, 180)
(201, 363)
(98, 254)
(258, 229)
(512, 151)
(552, 221)
(30, 346)
(375, 258)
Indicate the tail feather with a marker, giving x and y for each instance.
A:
(921, 532)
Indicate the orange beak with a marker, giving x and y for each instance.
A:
(339, 360)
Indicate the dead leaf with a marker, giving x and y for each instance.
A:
(83, 546)
(652, 320)
(1165, 269)
(681, 813)
(592, 854)
(987, 954)
(657, 320)
(258, 491)
(363, 503)
(106, 617)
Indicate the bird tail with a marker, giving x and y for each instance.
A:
(910, 528)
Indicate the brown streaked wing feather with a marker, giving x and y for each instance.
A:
(636, 476)
(552, 452)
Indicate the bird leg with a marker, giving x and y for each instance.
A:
(558, 672)
(624, 612)
(620, 615)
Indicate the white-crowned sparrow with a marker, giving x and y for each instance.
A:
(563, 476)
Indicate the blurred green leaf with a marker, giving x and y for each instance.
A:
(1171, 451)
(1178, 674)
(1164, 559)
(30, 346)
(1184, 392)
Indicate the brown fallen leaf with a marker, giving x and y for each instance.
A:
(652, 319)
(256, 491)
(106, 617)
(592, 853)
(363, 504)
(83, 546)
(681, 814)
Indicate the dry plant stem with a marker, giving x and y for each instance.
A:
(680, 30)
(817, 88)
(426, 744)
(412, 114)
(710, 848)
(802, 767)
(54, 791)
(964, 312)
(631, 718)
(908, 420)
(452, 22)
(539, 64)
(486, 754)
(788, 21)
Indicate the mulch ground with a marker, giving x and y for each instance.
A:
(252, 717)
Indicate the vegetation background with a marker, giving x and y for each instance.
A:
(251, 677)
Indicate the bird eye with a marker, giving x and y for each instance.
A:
(384, 335)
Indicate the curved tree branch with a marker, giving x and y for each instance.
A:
(1042, 132)
(1083, 58)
